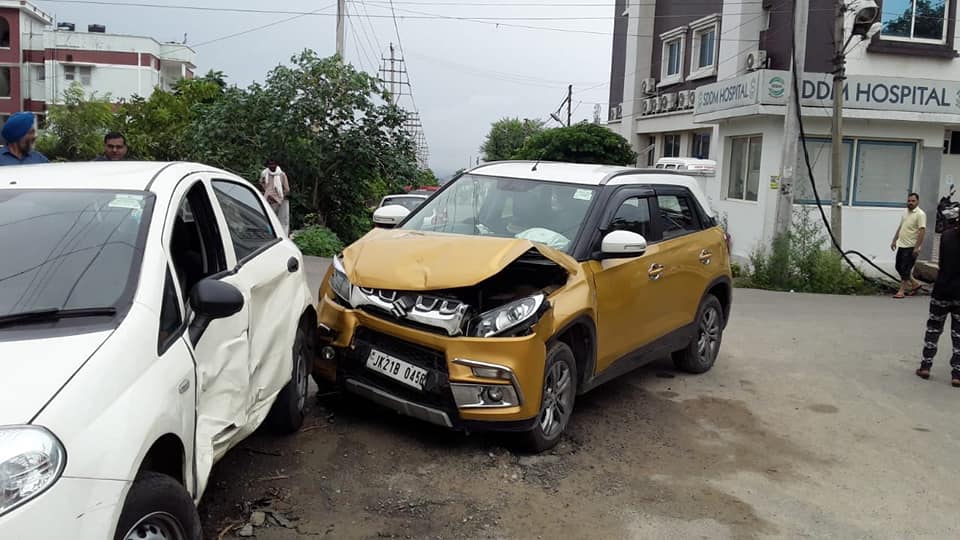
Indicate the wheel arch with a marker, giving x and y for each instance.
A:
(722, 289)
(167, 455)
(580, 334)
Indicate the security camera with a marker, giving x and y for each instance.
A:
(865, 15)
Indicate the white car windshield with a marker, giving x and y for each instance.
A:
(409, 202)
(550, 213)
(70, 249)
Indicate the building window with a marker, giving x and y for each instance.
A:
(4, 82)
(4, 33)
(671, 63)
(915, 20)
(705, 47)
(40, 73)
(701, 146)
(78, 73)
(884, 172)
(821, 152)
(671, 146)
(745, 168)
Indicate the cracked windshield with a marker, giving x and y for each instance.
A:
(68, 249)
(544, 212)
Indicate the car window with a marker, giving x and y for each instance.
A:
(170, 316)
(634, 215)
(196, 247)
(677, 216)
(250, 228)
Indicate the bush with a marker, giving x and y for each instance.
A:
(802, 261)
(318, 241)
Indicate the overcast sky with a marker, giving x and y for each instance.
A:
(464, 74)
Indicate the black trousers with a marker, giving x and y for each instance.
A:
(905, 262)
(939, 311)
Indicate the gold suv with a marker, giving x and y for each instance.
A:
(519, 286)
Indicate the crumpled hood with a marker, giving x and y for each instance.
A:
(35, 369)
(417, 261)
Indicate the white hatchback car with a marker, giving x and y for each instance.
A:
(151, 317)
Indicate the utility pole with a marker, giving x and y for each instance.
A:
(569, 104)
(341, 20)
(393, 71)
(836, 162)
(791, 127)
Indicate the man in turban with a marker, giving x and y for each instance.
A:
(19, 134)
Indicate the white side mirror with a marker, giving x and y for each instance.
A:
(623, 244)
(389, 216)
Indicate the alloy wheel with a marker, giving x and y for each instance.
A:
(156, 526)
(708, 340)
(557, 400)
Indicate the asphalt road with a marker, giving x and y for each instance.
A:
(812, 424)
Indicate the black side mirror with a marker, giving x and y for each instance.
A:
(211, 299)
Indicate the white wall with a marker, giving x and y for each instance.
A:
(118, 81)
(860, 62)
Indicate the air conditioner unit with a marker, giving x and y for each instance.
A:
(682, 100)
(671, 100)
(648, 86)
(756, 60)
(654, 105)
(664, 104)
(691, 99)
(645, 107)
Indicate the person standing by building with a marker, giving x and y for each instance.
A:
(945, 298)
(907, 243)
(20, 136)
(276, 188)
(114, 147)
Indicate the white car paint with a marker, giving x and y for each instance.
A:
(109, 396)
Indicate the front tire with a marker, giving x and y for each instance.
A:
(287, 414)
(556, 405)
(703, 350)
(158, 508)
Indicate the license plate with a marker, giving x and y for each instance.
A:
(396, 369)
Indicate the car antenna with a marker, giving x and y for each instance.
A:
(534, 169)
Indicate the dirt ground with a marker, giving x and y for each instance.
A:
(810, 425)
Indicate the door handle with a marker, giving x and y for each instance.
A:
(293, 265)
(706, 257)
(655, 272)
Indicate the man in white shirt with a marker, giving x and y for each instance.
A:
(907, 243)
(276, 189)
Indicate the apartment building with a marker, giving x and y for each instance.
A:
(38, 60)
(705, 78)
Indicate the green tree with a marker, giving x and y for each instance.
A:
(76, 128)
(332, 128)
(425, 178)
(507, 136)
(580, 143)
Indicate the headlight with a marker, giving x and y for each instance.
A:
(338, 281)
(31, 460)
(507, 317)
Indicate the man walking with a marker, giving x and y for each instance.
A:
(907, 243)
(945, 298)
(20, 136)
(276, 189)
(114, 147)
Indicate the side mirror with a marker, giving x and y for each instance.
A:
(211, 299)
(389, 216)
(622, 245)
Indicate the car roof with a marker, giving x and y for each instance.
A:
(116, 175)
(592, 175)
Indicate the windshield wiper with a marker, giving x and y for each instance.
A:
(55, 314)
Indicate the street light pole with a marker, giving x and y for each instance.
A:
(791, 126)
(836, 156)
(341, 16)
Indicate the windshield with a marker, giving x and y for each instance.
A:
(410, 203)
(546, 212)
(69, 249)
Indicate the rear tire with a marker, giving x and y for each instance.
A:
(287, 414)
(157, 506)
(556, 405)
(703, 350)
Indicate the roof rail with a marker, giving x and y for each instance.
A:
(636, 170)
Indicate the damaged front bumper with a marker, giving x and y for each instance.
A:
(468, 383)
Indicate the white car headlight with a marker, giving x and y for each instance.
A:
(339, 282)
(507, 317)
(31, 460)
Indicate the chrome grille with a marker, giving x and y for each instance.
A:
(447, 314)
